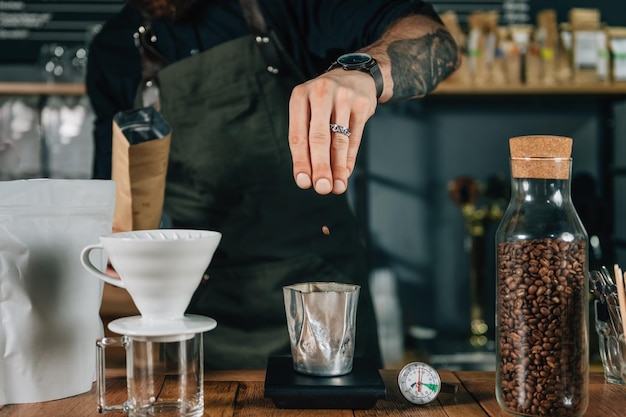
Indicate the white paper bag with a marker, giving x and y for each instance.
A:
(49, 305)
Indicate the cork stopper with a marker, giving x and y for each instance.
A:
(541, 156)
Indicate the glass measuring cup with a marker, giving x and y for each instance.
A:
(164, 375)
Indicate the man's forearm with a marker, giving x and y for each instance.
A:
(415, 54)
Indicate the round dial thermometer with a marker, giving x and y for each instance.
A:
(420, 383)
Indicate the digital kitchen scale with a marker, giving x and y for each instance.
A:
(359, 389)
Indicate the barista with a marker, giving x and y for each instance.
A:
(253, 154)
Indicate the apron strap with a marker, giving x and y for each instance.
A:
(152, 61)
(258, 27)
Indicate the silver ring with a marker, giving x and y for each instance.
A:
(340, 129)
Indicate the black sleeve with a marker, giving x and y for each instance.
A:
(113, 75)
(318, 31)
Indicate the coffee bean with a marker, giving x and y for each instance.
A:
(542, 325)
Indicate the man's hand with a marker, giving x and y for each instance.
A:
(322, 158)
(414, 55)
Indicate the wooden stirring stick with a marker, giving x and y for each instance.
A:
(621, 295)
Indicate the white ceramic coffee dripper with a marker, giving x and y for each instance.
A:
(160, 269)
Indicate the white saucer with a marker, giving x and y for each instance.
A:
(138, 326)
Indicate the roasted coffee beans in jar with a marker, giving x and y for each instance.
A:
(542, 312)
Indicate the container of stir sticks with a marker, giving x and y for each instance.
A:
(610, 323)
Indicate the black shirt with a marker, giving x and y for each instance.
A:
(314, 32)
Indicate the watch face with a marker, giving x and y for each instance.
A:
(354, 60)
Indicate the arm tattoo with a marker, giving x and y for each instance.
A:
(418, 65)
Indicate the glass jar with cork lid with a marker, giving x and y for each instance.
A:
(542, 312)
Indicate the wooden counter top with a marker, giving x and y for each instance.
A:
(240, 393)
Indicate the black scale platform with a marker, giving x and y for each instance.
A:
(360, 389)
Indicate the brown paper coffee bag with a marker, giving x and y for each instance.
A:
(141, 144)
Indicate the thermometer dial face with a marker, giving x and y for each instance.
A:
(419, 382)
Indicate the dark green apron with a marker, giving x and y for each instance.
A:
(230, 170)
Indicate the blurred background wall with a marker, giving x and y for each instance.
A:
(433, 174)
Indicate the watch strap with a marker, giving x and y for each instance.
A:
(376, 73)
(333, 66)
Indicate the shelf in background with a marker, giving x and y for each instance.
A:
(445, 88)
(28, 88)
(450, 88)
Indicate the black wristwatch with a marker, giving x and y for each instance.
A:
(360, 61)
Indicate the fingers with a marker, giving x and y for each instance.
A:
(355, 144)
(322, 158)
(339, 145)
(321, 100)
(299, 116)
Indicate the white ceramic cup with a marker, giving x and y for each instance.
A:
(160, 268)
